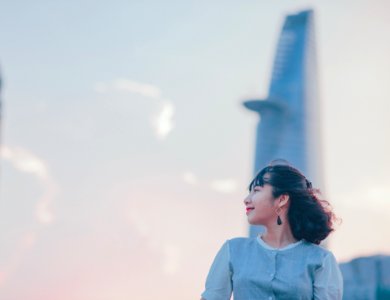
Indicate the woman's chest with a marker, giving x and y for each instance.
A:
(273, 273)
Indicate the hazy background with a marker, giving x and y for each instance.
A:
(126, 152)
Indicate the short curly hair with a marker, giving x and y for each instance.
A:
(310, 217)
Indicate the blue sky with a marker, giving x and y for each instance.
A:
(125, 146)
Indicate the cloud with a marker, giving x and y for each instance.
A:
(163, 122)
(225, 186)
(130, 86)
(190, 178)
(26, 162)
(144, 89)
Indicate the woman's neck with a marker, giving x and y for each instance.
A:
(278, 236)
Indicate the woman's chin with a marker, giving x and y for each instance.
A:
(254, 223)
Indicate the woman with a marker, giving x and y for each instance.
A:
(286, 262)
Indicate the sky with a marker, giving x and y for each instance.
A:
(126, 152)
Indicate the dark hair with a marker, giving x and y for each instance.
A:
(310, 217)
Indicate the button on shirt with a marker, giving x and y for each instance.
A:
(252, 270)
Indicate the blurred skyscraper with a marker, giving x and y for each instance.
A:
(289, 129)
(289, 125)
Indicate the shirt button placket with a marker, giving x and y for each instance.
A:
(273, 272)
(274, 265)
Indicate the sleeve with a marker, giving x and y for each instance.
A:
(328, 281)
(219, 280)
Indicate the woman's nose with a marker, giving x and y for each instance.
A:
(246, 200)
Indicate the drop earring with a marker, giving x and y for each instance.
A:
(278, 220)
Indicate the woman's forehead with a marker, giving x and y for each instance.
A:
(260, 180)
(266, 177)
(263, 178)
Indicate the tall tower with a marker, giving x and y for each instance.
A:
(289, 124)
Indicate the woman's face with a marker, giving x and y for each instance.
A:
(260, 205)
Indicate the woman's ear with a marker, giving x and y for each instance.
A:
(283, 200)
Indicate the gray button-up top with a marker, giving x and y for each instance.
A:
(252, 270)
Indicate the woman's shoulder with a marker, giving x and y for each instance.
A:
(305, 246)
(240, 240)
(317, 250)
(315, 247)
(241, 243)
